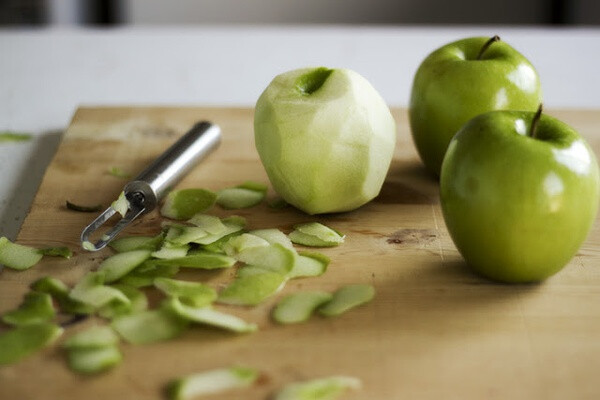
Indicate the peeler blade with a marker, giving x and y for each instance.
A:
(136, 208)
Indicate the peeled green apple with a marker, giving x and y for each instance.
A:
(518, 197)
(325, 137)
(461, 80)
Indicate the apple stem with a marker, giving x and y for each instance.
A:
(486, 45)
(534, 122)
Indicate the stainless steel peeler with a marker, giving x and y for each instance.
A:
(149, 187)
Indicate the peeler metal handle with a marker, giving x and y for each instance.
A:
(170, 167)
(145, 192)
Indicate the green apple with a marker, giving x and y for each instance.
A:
(325, 137)
(519, 193)
(462, 80)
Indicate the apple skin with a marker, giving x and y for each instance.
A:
(451, 86)
(325, 137)
(518, 208)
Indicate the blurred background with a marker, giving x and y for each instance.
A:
(175, 12)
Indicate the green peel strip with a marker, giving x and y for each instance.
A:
(232, 226)
(62, 251)
(131, 243)
(193, 293)
(149, 326)
(237, 198)
(145, 274)
(273, 236)
(119, 265)
(114, 308)
(169, 251)
(93, 350)
(22, 341)
(246, 195)
(252, 286)
(208, 316)
(211, 382)
(245, 241)
(181, 235)
(17, 256)
(94, 337)
(329, 388)
(94, 360)
(36, 308)
(60, 292)
(8, 136)
(81, 208)
(314, 234)
(185, 203)
(218, 246)
(209, 223)
(202, 260)
(347, 298)
(298, 307)
(121, 204)
(309, 264)
(273, 257)
(118, 172)
(91, 291)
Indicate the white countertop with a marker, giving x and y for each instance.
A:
(46, 74)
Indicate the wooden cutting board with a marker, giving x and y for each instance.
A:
(433, 331)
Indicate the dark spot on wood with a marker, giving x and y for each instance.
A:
(263, 379)
(394, 241)
(412, 236)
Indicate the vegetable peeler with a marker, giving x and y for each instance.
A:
(145, 192)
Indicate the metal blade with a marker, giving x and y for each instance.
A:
(135, 209)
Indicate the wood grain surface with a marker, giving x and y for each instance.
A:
(433, 331)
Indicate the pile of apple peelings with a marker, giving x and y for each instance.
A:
(115, 290)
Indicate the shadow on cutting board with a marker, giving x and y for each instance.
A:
(18, 203)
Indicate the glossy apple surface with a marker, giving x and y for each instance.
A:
(325, 137)
(452, 86)
(518, 207)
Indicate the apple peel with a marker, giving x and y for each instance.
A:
(18, 256)
(60, 292)
(185, 203)
(93, 360)
(149, 326)
(211, 382)
(309, 264)
(22, 341)
(328, 388)
(245, 195)
(36, 308)
(298, 307)
(130, 243)
(207, 316)
(91, 290)
(137, 302)
(347, 298)
(315, 234)
(196, 294)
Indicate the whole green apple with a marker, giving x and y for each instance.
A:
(461, 80)
(519, 193)
(325, 137)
